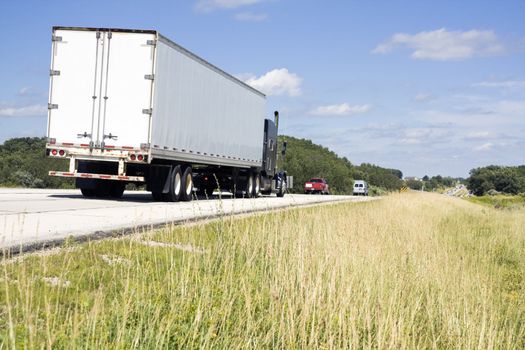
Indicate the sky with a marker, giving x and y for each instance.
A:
(427, 87)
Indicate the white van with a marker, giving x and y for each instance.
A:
(360, 188)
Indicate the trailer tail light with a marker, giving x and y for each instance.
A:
(54, 152)
(61, 152)
(137, 157)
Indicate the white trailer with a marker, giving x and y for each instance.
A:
(133, 106)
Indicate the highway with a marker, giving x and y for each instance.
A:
(33, 218)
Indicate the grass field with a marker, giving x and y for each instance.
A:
(413, 270)
(500, 201)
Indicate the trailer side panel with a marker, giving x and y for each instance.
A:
(203, 113)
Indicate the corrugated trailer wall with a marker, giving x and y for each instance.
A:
(202, 112)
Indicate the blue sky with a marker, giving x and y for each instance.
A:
(426, 87)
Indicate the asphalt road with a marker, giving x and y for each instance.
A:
(30, 218)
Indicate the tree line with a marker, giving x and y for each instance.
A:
(495, 179)
(433, 183)
(305, 160)
(23, 164)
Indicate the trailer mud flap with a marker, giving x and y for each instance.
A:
(158, 179)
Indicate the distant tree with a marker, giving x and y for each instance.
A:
(305, 160)
(23, 164)
(498, 178)
(425, 178)
(414, 184)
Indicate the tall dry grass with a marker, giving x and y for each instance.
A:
(408, 271)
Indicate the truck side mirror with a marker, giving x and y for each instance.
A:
(283, 151)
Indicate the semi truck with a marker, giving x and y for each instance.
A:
(132, 106)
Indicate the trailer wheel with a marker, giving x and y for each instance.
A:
(88, 193)
(249, 186)
(117, 189)
(102, 190)
(157, 196)
(187, 185)
(175, 189)
(282, 189)
(257, 185)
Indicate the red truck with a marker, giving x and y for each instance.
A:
(316, 185)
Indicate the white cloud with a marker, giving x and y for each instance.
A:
(343, 109)
(210, 5)
(422, 97)
(250, 17)
(474, 114)
(425, 135)
(508, 84)
(25, 111)
(474, 135)
(444, 45)
(484, 147)
(508, 107)
(25, 91)
(275, 82)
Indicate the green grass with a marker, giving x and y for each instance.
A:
(413, 270)
(500, 201)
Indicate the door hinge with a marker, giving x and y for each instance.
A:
(84, 135)
(54, 72)
(110, 136)
(149, 76)
(151, 42)
(147, 111)
(110, 35)
(52, 106)
(56, 38)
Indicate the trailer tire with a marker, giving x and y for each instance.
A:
(186, 194)
(256, 185)
(117, 189)
(248, 190)
(102, 190)
(88, 192)
(282, 189)
(157, 196)
(175, 188)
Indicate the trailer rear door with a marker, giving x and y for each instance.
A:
(100, 88)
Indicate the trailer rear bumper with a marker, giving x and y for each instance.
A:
(97, 176)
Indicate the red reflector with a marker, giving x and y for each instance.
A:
(67, 144)
(61, 152)
(84, 145)
(54, 152)
(132, 157)
(140, 157)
